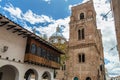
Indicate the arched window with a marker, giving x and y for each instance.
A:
(81, 16)
(46, 76)
(81, 34)
(88, 78)
(31, 75)
(33, 48)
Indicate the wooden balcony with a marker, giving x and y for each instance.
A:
(30, 58)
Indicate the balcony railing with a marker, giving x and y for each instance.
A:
(30, 58)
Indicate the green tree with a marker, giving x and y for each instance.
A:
(64, 48)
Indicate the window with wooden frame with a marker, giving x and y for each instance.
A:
(33, 48)
(39, 51)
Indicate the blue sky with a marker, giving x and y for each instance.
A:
(55, 8)
(46, 15)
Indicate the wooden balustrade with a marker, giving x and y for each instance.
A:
(40, 60)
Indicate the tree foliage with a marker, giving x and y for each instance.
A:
(64, 48)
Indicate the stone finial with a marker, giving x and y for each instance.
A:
(58, 29)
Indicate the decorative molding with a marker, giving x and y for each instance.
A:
(85, 45)
(82, 45)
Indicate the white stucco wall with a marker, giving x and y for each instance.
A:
(16, 50)
(16, 44)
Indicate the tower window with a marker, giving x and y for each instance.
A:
(101, 68)
(81, 34)
(81, 16)
(81, 58)
(63, 67)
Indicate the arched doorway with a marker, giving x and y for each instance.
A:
(31, 75)
(46, 76)
(75, 78)
(88, 78)
(8, 72)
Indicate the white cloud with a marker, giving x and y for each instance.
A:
(78, 4)
(51, 28)
(108, 36)
(28, 16)
(48, 1)
(34, 18)
(85, 1)
(14, 11)
(70, 6)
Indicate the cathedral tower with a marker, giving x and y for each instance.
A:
(86, 59)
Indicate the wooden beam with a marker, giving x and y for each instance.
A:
(37, 38)
(2, 23)
(16, 30)
(11, 26)
(26, 35)
(23, 33)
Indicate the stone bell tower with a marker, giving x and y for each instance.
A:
(86, 59)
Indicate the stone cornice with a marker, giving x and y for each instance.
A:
(84, 45)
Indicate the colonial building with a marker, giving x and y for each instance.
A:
(24, 55)
(116, 12)
(86, 59)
